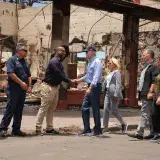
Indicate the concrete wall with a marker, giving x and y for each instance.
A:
(105, 33)
(8, 19)
(37, 36)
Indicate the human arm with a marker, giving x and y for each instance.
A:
(118, 84)
(17, 80)
(12, 75)
(157, 89)
(154, 74)
(29, 84)
(83, 79)
(56, 67)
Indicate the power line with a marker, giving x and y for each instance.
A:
(75, 10)
(110, 16)
(94, 25)
(34, 17)
(29, 21)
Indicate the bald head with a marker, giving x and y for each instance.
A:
(60, 52)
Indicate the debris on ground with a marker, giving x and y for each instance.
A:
(71, 130)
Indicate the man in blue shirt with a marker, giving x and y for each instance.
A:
(19, 81)
(93, 78)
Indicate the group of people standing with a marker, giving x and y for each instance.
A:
(19, 82)
(149, 94)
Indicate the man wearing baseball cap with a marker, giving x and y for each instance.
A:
(19, 81)
(93, 78)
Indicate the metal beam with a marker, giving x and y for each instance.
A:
(130, 58)
(121, 7)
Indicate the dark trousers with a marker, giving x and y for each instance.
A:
(93, 100)
(156, 118)
(14, 108)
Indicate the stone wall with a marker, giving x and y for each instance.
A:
(87, 25)
(8, 19)
(37, 36)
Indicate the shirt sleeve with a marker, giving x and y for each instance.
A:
(61, 74)
(118, 84)
(84, 78)
(97, 74)
(10, 66)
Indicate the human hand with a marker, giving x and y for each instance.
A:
(29, 90)
(23, 85)
(158, 101)
(88, 92)
(150, 96)
(73, 81)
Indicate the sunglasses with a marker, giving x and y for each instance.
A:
(24, 50)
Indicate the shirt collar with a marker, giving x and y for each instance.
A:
(145, 65)
(57, 58)
(18, 57)
(92, 59)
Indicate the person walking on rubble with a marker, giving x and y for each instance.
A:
(19, 81)
(54, 76)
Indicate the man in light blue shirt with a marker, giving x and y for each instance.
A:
(93, 78)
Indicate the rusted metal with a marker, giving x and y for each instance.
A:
(130, 58)
(132, 13)
(122, 7)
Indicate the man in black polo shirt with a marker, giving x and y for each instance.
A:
(54, 76)
(19, 80)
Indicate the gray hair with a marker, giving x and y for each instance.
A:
(151, 53)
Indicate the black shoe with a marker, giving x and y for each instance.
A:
(135, 135)
(39, 133)
(150, 136)
(3, 133)
(84, 133)
(19, 133)
(52, 132)
(155, 138)
(124, 128)
(93, 134)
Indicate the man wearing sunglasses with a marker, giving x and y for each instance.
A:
(19, 81)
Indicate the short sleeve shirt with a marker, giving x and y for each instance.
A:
(20, 67)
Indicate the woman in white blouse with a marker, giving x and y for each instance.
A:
(113, 94)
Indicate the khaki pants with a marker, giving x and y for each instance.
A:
(49, 100)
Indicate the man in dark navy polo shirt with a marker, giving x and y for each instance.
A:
(54, 76)
(19, 81)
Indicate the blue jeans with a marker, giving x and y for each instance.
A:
(93, 100)
(14, 108)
